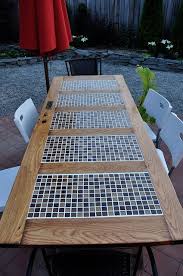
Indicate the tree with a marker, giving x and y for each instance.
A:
(151, 25)
(177, 33)
(82, 20)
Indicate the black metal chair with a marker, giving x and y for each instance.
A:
(55, 261)
(84, 66)
(151, 258)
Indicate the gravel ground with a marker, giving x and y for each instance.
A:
(19, 83)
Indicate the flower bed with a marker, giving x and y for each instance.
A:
(117, 55)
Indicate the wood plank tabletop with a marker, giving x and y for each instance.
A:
(107, 141)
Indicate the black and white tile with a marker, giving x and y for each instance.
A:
(89, 99)
(94, 195)
(91, 119)
(91, 149)
(82, 85)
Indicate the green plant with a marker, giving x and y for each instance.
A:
(127, 37)
(79, 41)
(177, 31)
(103, 33)
(164, 47)
(148, 81)
(82, 20)
(146, 118)
(167, 48)
(153, 48)
(14, 53)
(151, 25)
(70, 15)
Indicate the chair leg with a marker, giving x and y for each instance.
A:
(46, 262)
(170, 171)
(32, 259)
(31, 262)
(152, 260)
(67, 67)
(137, 260)
(100, 67)
(157, 139)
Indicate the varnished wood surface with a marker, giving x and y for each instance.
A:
(95, 167)
(90, 108)
(92, 77)
(125, 230)
(14, 216)
(91, 131)
(172, 209)
(136, 230)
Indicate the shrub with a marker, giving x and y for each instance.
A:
(79, 41)
(82, 20)
(127, 37)
(164, 47)
(177, 31)
(70, 15)
(15, 53)
(151, 25)
(153, 48)
(102, 33)
(167, 48)
(148, 81)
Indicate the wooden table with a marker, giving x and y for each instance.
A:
(16, 229)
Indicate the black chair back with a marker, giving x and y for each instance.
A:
(85, 66)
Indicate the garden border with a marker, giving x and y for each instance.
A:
(119, 56)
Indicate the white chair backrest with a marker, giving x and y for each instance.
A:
(172, 135)
(25, 118)
(158, 107)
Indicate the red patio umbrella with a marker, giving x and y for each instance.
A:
(44, 28)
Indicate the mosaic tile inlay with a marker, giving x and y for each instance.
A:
(80, 85)
(94, 195)
(89, 99)
(91, 149)
(91, 119)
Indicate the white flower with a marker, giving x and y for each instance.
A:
(84, 39)
(74, 36)
(170, 46)
(152, 43)
(163, 41)
(168, 41)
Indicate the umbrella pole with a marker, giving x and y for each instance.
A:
(45, 60)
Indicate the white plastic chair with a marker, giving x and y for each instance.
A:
(158, 107)
(171, 135)
(7, 178)
(25, 119)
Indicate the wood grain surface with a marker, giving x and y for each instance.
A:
(14, 216)
(14, 229)
(90, 108)
(91, 132)
(121, 231)
(95, 167)
(169, 202)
